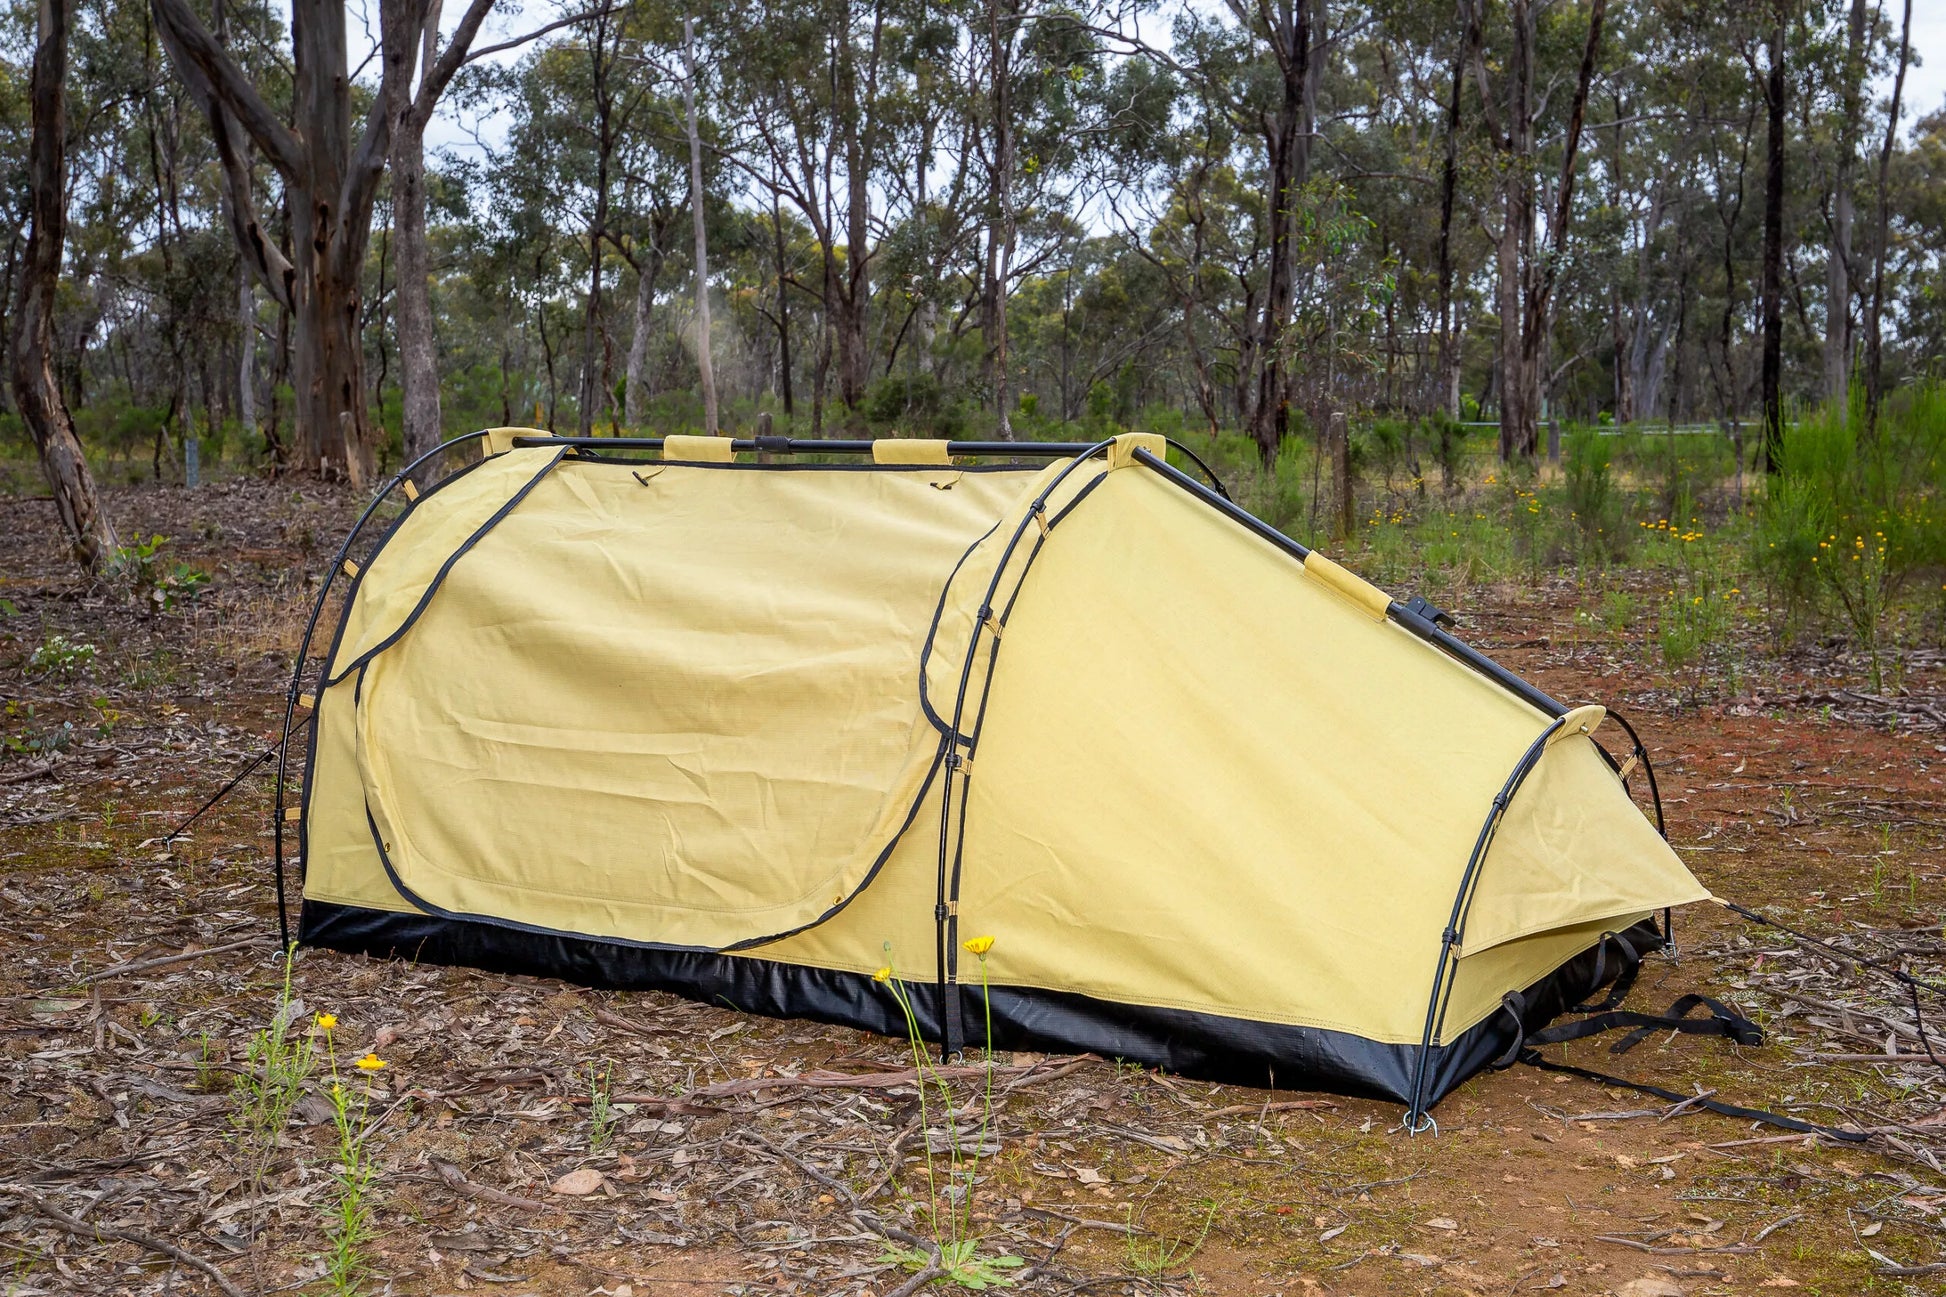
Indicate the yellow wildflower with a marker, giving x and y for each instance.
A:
(326, 1021)
(980, 946)
(370, 1063)
(883, 975)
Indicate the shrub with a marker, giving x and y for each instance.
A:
(1849, 521)
(1594, 501)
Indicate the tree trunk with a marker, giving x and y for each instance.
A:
(36, 393)
(703, 364)
(246, 376)
(635, 385)
(1837, 279)
(783, 307)
(424, 421)
(591, 369)
(419, 378)
(1538, 275)
(1874, 320)
(1287, 148)
(998, 269)
(330, 180)
(1773, 253)
(1449, 352)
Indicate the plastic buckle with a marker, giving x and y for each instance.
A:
(1420, 606)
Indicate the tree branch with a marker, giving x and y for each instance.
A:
(217, 84)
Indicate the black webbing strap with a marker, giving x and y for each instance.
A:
(1532, 1057)
(1624, 980)
(1722, 1021)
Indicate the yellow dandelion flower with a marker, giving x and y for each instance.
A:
(980, 946)
(371, 1063)
(883, 975)
(326, 1021)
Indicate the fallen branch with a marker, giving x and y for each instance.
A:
(1286, 1105)
(148, 965)
(24, 776)
(822, 1080)
(1640, 1246)
(81, 1229)
(456, 1179)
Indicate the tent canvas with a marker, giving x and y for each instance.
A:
(648, 715)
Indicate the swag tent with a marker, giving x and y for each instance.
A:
(751, 720)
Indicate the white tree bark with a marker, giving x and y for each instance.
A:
(702, 233)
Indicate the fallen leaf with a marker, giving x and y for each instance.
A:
(1332, 1233)
(1088, 1175)
(577, 1184)
(1442, 1222)
(1778, 1281)
(1871, 1230)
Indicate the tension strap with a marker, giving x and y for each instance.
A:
(1532, 1057)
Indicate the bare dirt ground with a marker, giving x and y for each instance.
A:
(135, 975)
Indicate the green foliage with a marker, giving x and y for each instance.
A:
(27, 735)
(277, 1063)
(1593, 498)
(59, 655)
(1850, 521)
(166, 587)
(601, 1112)
(955, 1251)
(348, 1216)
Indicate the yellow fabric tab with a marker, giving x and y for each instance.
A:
(700, 450)
(1122, 454)
(1581, 720)
(309, 702)
(411, 491)
(351, 569)
(909, 450)
(501, 440)
(292, 813)
(1349, 584)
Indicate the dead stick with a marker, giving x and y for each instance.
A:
(456, 1179)
(81, 1229)
(1289, 1105)
(916, 1282)
(143, 966)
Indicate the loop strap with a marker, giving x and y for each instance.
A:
(1722, 1021)
(1624, 980)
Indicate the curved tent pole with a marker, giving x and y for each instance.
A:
(1641, 753)
(859, 446)
(1417, 1118)
(303, 653)
(945, 918)
(1410, 618)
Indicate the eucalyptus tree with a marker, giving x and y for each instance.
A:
(36, 393)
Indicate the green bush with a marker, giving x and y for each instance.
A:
(1594, 501)
(1850, 521)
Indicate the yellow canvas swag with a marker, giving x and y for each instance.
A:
(751, 729)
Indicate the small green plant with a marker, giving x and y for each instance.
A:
(164, 587)
(60, 655)
(1158, 1254)
(205, 1061)
(949, 1211)
(277, 1063)
(348, 1223)
(601, 1113)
